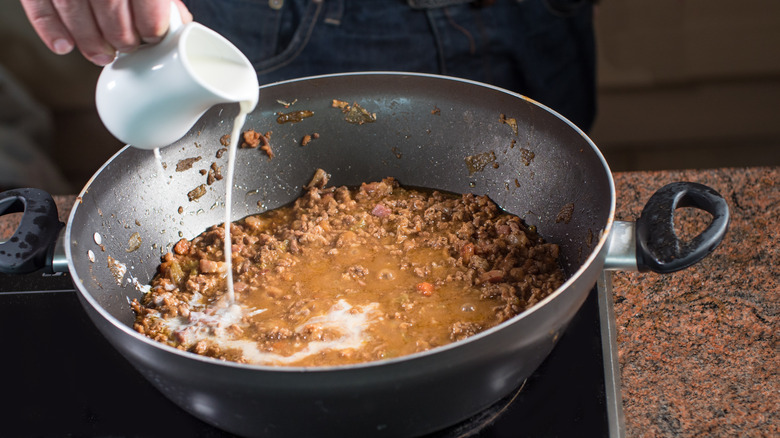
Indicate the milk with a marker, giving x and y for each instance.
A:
(245, 107)
(234, 79)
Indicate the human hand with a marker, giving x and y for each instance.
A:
(100, 28)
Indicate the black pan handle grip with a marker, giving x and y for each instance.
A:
(658, 247)
(32, 244)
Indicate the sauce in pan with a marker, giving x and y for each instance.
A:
(348, 275)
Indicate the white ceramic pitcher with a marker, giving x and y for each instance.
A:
(153, 96)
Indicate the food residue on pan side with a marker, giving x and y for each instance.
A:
(134, 242)
(214, 174)
(118, 269)
(359, 115)
(252, 139)
(477, 163)
(99, 241)
(565, 214)
(286, 104)
(342, 105)
(309, 137)
(512, 122)
(526, 156)
(197, 192)
(293, 117)
(354, 113)
(186, 163)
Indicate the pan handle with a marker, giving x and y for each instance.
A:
(32, 245)
(658, 248)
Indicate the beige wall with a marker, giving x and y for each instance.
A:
(682, 83)
(688, 83)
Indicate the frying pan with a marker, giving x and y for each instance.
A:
(430, 131)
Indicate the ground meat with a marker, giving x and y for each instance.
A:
(251, 139)
(462, 330)
(349, 275)
(308, 138)
(186, 163)
(268, 151)
(214, 174)
(197, 192)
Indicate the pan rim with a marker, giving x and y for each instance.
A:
(596, 252)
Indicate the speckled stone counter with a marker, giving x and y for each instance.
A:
(698, 349)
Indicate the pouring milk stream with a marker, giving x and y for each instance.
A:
(153, 96)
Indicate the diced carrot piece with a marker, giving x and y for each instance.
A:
(425, 288)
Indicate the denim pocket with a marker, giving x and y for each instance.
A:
(293, 36)
(270, 38)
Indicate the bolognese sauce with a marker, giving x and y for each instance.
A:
(347, 275)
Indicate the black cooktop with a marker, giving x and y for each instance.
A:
(62, 378)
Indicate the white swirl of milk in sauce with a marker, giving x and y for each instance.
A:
(351, 324)
(213, 325)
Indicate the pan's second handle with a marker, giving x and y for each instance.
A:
(31, 246)
(657, 246)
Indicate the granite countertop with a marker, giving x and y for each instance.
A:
(698, 349)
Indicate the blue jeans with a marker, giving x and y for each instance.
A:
(543, 49)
